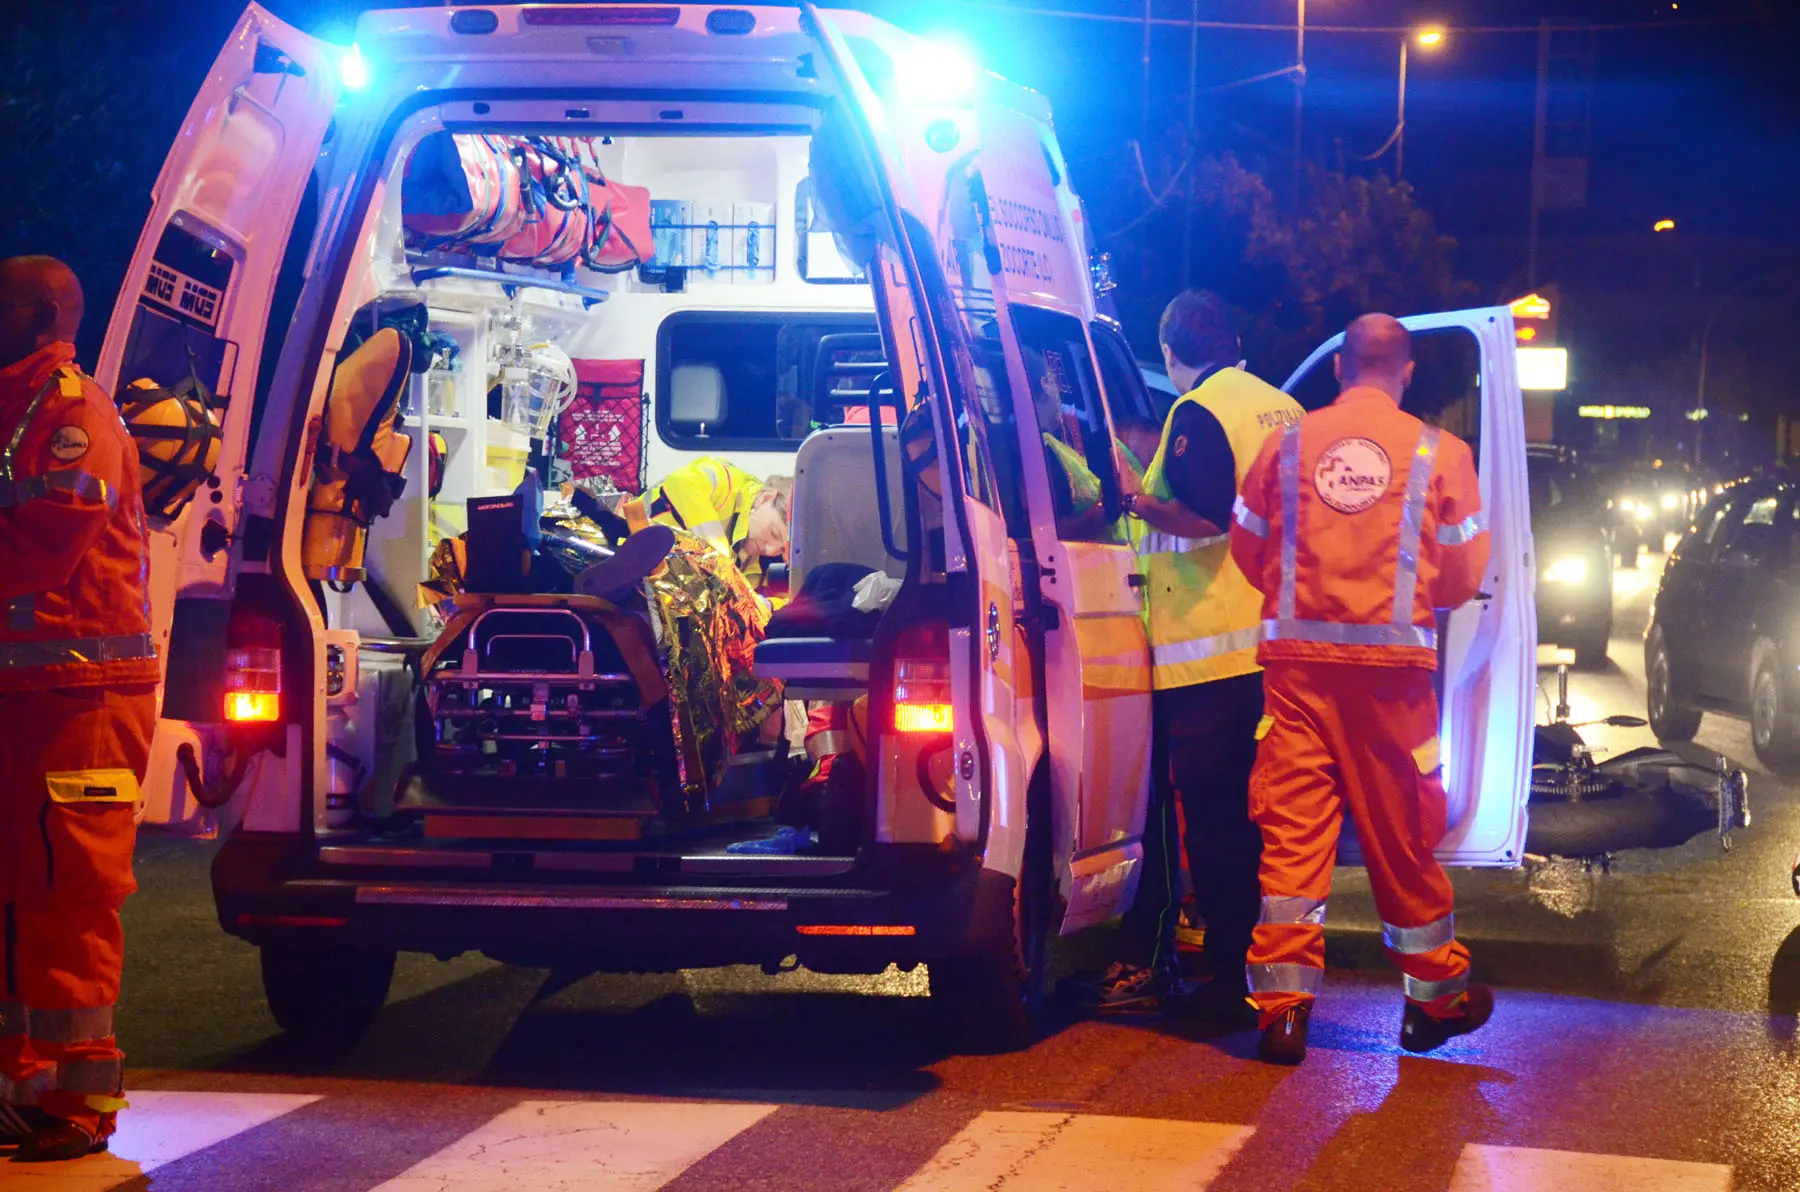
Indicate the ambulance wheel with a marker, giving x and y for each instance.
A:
(325, 996)
(996, 1000)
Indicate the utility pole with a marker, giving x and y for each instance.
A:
(1537, 150)
(1299, 91)
(1400, 141)
(1144, 132)
(1193, 137)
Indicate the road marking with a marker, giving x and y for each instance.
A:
(1523, 1169)
(574, 1146)
(159, 1128)
(1050, 1152)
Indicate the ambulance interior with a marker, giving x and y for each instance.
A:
(703, 310)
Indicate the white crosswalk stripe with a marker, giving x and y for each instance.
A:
(1524, 1169)
(1051, 1152)
(641, 1146)
(159, 1128)
(572, 1146)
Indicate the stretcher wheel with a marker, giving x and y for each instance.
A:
(327, 997)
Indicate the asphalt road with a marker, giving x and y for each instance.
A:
(1645, 1040)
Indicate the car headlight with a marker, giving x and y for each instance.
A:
(1627, 504)
(1571, 571)
(1670, 501)
(1641, 511)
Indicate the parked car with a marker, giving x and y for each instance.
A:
(1723, 630)
(1574, 557)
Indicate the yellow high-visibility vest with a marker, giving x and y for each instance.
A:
(1204, 616)
(709, 497)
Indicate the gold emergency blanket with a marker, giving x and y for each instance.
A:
(708, 621)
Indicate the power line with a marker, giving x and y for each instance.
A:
(1373, 30)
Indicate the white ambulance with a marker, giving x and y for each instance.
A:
(915, 213)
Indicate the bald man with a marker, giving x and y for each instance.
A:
(1357, 524)
(78, 679)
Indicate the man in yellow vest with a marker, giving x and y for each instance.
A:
(745, 519)
(1204, 620)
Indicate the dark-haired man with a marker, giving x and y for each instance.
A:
(1203, 621)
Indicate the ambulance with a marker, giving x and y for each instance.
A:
(833, 206)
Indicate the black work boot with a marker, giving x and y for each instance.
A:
(1421, 1032)
(1284, 1040)
(56, 1139)
(18, 1122)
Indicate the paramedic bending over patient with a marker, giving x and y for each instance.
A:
(744, 518)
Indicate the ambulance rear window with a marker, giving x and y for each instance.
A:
(749, 380)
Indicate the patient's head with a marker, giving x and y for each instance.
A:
(767, 535)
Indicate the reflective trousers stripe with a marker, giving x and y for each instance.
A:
(1292, 910)
(1463, 532)
(828, 743)
(1201, 648)
(20, 655)
(27, 1092)
(1338, 633)
(1416, 941)
(1285, 978)
(55, 1026)
(1241, 514)
(1430, 991)
(90, 1076)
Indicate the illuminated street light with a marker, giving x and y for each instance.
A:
(1663, 225)
(1430, 37)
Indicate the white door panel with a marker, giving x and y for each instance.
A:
(1488, 653)
(195, 303)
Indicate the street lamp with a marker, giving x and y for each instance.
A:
(1430, 38)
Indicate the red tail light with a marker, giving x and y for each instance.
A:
(922, 701)
(252, 668)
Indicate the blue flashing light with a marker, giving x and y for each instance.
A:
(352, 68)
(939, 73)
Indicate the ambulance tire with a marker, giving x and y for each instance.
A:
(997, 999)
(325, 997)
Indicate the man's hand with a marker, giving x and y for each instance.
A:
(1172, 517)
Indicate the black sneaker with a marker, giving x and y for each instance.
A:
(1420, 1032)
(1284, 1040)
(1122, 989)
(56, 1140)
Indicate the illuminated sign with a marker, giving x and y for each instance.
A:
(1525, 334)
(1613, 412)
(1543, 368)
(1532, 306)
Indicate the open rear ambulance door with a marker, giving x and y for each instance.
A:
(988, 669)
(1026, 258)
(194, 305)
(1466, 380)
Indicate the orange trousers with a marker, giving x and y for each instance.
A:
(1360, 740)
(71, 760)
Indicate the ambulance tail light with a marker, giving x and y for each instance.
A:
(922, 701)
(252, 668)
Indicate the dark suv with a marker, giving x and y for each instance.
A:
(1723, 632)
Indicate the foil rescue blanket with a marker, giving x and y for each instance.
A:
(707, 622)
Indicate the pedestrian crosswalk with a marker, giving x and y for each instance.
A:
(569, 1145)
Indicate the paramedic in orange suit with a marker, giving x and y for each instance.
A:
(1356, 524)
(77, 707)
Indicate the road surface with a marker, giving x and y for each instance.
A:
(1644, 1040)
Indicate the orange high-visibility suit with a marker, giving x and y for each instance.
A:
(78, 677)
(1356, 524)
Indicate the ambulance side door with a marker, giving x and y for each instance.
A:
(1096, 651)
(1466, 380)
(195, 304)
(990, 673)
